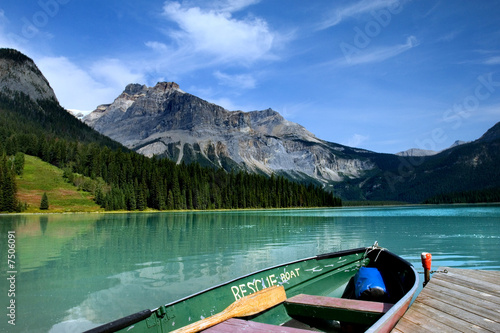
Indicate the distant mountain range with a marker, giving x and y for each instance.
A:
(166, 121)
(424, 152)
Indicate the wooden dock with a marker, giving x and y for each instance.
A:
(460, 300)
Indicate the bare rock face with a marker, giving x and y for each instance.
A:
(18, 73)
(164, 120)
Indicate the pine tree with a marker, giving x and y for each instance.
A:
(19, 163)
(44, 204)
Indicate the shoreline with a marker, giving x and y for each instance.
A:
(248, 209)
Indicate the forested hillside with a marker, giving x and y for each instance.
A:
(122, 179)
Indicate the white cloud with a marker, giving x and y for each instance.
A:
(84, 89)
(495, 60)
(215, 35)
(232, 5)
(114, 73)
(356, 140)
(354, 56)
(358, 8)
(157, 46)
(9, 40)
(450, 36)
(242, 81)
(226, 103)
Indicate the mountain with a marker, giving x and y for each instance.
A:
(29, 105)
(18, 73)
(491, 135)
(417, 152)
(164, 120)
(33, 123)
(471, 166)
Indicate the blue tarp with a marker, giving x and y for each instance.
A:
(368, 283)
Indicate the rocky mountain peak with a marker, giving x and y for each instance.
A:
(492, 134)
(167, 86)
(164, 120)
(134, 88)
(18, 73)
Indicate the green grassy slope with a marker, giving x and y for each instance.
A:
(39, 177)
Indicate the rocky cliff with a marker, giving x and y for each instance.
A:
(18, 73)
(166, 121)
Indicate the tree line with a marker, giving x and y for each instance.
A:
(474, 196)
(121, 179)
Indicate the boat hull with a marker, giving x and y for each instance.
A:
(324, 275)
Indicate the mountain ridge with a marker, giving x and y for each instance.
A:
(166, 121)
(33, 123)
(183, 127)
(19, 73)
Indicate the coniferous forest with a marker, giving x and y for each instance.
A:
(121, 179)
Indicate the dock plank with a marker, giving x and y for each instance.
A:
(487, 276)
(460, 314)
(473, 282)
(466, 302)
(441, 321)
(458, 301)
(467, 291)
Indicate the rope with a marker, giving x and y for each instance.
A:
(374, 247)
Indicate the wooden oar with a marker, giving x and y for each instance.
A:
(246, 306)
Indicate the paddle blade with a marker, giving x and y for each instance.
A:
(246, 306)
(257, 302)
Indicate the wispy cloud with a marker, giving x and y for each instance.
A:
(374, 55)
(242, 81)
(449, 36)
(356, 140)
(495, 60)
(7, 39)
(86, 88)
(216, 36)
(231, 5)
(351, 10)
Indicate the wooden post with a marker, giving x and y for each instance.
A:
(426, 264)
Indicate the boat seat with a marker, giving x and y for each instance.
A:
(238, 325)
(332, 308)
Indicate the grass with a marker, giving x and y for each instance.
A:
(39, 177)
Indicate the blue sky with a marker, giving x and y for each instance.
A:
(384, 75)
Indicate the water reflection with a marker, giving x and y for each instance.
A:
(86, 269)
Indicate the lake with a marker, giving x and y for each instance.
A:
(75, 271)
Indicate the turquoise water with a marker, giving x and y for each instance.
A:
(75, 271)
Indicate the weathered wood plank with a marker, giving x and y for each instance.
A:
(475, 284)
(238, 325)
(459, 313)
(404, 325)
(488, 276)
(433, 317)
(344, 303)
(460, 300)
(419, 321)
(467, 302)
(467, 291)
(332, 308)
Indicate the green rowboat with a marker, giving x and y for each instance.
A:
(323, 293)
